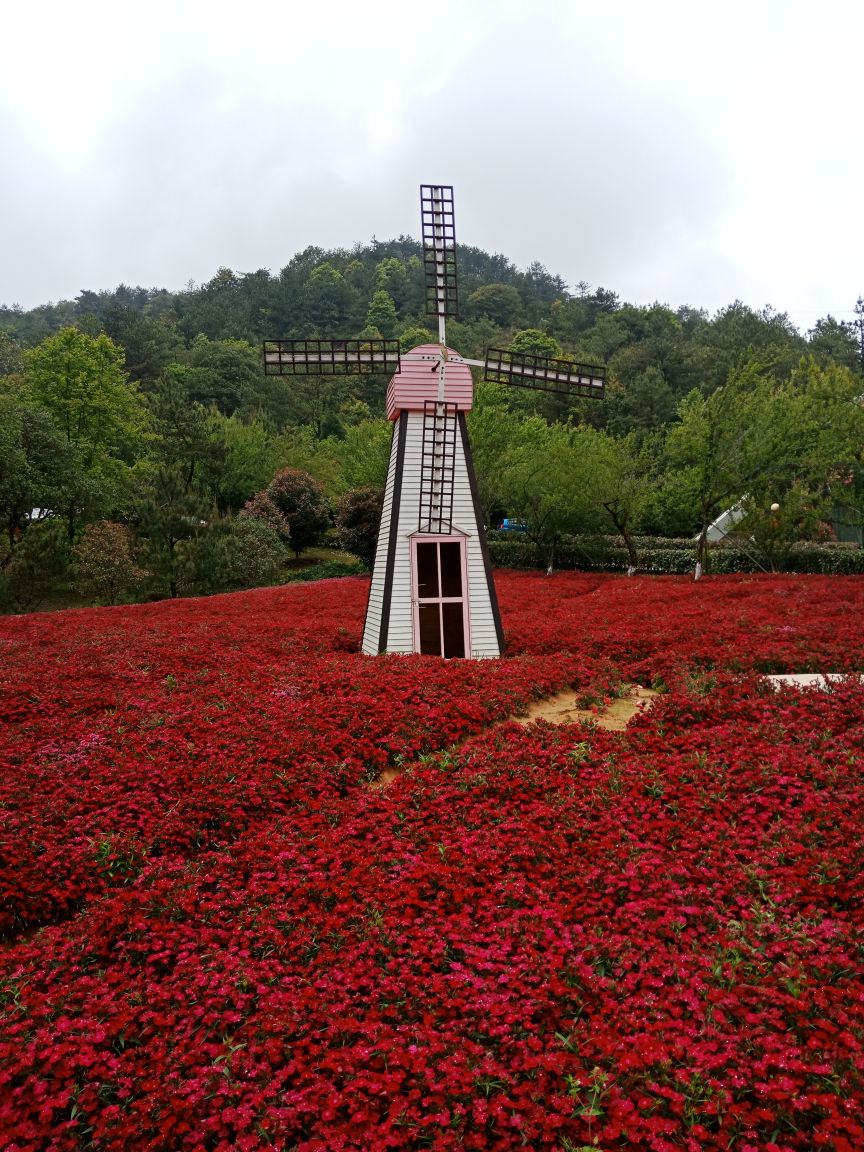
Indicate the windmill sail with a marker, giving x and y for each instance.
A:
(439, 249)
(544, 373)
(330, 357)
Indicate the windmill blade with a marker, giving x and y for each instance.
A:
(439, 249)
(330, 357)
(544, 373)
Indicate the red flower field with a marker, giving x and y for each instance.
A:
(217, 936)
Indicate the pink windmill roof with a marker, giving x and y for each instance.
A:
(417, 381)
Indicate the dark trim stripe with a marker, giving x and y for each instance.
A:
(481, 531)
(394, 532)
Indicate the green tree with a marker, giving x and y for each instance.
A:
(533, 342)
(362, 455)
(546, 483)
(492, 433)
(38, 465)
(150, 345)
(329, 305)
(11, 355)
(242, 460)
(835, 340)
(37, 567)
(415, 335)
(227, 374)
(647, 403)
(169, 510)
(500, 303)
(381, 314)
(620, 474)
(756, 437)
(82, 382)
(175, 496)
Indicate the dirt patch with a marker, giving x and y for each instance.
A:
(565, 709)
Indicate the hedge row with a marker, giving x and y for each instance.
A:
(676, 557)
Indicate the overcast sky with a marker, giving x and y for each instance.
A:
(691, 151)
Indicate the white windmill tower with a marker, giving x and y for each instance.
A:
(432, 590)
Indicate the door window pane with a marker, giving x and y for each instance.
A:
(430, 628)
(427, 570)
(451, 569)
(454, 628)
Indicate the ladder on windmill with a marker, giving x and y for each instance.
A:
(437, 467)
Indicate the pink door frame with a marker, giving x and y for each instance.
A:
(462, 541)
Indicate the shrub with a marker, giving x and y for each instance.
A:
(358, 518)
(300, 499)
(262, 509)
(104, 563)
(673, 556)
(256, 552)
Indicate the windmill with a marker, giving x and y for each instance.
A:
(432, 590)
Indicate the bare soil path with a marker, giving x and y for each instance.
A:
(565, 709)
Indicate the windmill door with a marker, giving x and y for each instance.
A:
(440, 595)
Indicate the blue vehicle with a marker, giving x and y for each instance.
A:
(513, 526)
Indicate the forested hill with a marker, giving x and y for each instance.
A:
(143, 415)
(655, 355)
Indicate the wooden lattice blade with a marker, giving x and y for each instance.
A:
(330, 357)
(544, 373)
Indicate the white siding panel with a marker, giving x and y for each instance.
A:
(372, 629)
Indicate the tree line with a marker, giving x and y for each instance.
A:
(148, 410)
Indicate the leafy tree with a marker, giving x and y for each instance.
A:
(835, 340)
(533, 342)
(363, 455)
(104, 562)
(774, 530)
(492, 430)
(298, 447)
(150, 345)
(403, 281)
(415, 335)
(647, 403)
(756, 437)
(241, 461)
(38, 465)
(11, 355)
(301, 500)
(329, 304)
(169, 512)
(358, 519)
(82, 382)
(225, 373)
(620, 474)
(738, 335)
(498, 302)
(546, 483)
(175, 495)
(38, 565)
(381, 314)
